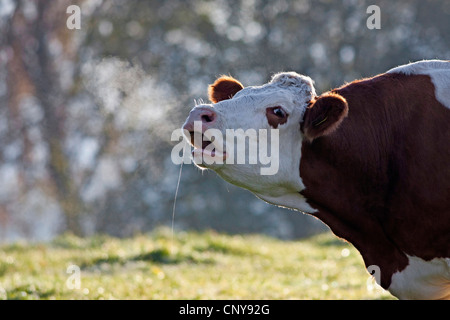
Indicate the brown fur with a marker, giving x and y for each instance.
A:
(223, 88)
(324, 115)
(382, 179)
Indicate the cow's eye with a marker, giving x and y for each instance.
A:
(279, 112)
(276, 116)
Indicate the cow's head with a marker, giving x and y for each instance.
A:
(288, 104)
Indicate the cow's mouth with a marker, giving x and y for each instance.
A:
(204, 147)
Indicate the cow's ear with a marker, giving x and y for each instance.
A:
(324, 115)
(223, 88)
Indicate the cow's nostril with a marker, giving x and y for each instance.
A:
(207, 118)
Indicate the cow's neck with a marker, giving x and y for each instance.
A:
(348, 176)
(350, 202)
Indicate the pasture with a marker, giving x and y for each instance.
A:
(188, 265)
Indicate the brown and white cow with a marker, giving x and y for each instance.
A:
(371, 159)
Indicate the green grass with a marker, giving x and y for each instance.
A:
(186, 266)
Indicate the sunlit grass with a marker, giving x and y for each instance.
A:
(186, 266)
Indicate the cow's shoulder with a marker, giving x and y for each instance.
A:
(422, 67)
(437, 70)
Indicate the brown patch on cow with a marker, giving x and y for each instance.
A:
(273, 119)
(324, 115)
(382, 180)
(223, 88)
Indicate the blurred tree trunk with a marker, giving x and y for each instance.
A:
(30, 38)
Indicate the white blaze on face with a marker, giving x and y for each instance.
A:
(247, 111)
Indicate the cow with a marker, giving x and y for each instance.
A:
(371, 159)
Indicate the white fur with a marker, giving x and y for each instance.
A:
(422, 279)
(290, 200)
(438, 70)
(247, 110)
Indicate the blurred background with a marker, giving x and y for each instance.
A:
(86, 115)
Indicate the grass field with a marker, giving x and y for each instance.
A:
(186, 266)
